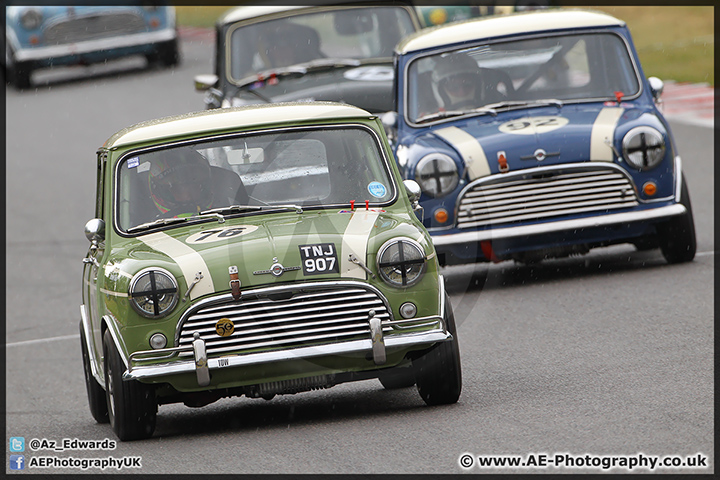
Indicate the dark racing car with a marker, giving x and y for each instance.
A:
(342, 53)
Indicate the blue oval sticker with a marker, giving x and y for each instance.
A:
(377, 189)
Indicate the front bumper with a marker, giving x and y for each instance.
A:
(202, 365)
(376, 346)
(59, 52)
(608, 220)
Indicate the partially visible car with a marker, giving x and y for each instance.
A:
(48, 36)
(257, 251)
(536, 135)
(338, 52)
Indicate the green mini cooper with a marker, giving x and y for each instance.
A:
(257, 251)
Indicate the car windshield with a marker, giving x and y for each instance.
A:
(561, 68)
(291, 169)
(342, 33)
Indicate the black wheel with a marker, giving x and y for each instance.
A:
(17, 74)
(95, 393)
(438, 372)
(167, 54)
(397, 378)
(132, 407)
(21, 77)
(677, 236)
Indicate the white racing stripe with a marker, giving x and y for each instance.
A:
(355, 240)
(603, 131)
(112, 293)
(470, 149)
(189, 261)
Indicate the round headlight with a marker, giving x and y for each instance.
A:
(31, 19)
(408, 310)
(643, 147)
(437, 174)
(158, 341)
(401, 262)
(153, 292)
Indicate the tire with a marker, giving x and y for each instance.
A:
(438, 372)
(132, 407)
(167, 54)
(677, 236)
(95, 393)
(17, 74)
(397, 378)
(21, 77)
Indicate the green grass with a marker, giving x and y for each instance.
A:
(199, 16)
(674, 42)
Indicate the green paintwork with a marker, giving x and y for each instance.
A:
(264, 237)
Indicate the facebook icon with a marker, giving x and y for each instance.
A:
(17, 462)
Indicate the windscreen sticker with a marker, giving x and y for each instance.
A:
(534, 125)
(377, 189)
(133, 162)
(220, 234)
(370, 74)
(319, 259)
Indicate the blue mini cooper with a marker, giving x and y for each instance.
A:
(536, 135)
(40, 37)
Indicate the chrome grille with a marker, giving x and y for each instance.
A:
(92, 27)
(546, 193)
(266, 321)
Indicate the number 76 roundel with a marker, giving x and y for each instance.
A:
(319, 259)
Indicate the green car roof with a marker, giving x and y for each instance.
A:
(204, 122)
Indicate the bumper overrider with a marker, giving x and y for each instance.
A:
(383, 333)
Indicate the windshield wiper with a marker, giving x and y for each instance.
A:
(456, 113)
(526, 103)
(299, 70)
(240, 208)
(168, 221)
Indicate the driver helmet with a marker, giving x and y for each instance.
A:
(180, 181)
(456, 76)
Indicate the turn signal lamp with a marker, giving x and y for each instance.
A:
(441, 215)
(650, 189)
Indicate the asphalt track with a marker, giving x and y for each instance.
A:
(610, 354)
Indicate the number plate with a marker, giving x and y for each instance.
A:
(319, 259)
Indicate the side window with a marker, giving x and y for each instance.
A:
(99, 190)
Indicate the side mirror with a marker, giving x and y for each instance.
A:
(389, 121)
(95, 231)
(205, 82)
(656, 86)
(413, 192)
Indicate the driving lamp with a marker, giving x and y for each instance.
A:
(437, 174)
(401, 262)
(153, 292)
(643, 148)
